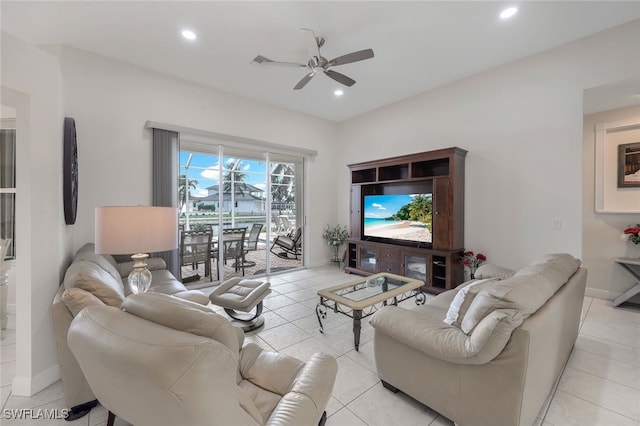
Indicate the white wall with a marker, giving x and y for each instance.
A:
(522, 126)
(111, 101)
(601, 231)
(31, 84)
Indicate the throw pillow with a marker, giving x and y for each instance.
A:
(488, 270)
(463, 299)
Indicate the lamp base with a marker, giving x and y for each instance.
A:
(140, 277)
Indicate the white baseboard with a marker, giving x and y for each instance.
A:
(600, 294)
(29, 386)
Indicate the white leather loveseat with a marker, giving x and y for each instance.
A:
(93, 279)
(504, 345)
(164, 361)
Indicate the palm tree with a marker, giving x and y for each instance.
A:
(282, 184)
(183, 186)
(234, 174)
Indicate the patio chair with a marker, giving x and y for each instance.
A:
(287, 227)
(284, 245)
(252, 242)
(277, 225)
(233, 243)
(195, 248)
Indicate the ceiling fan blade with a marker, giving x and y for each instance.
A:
(340, 78)
(262, 60)
(311, 43)
(304, 81)
(360, 55)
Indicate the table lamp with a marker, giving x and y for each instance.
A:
(139, 230)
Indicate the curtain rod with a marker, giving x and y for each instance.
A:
(250, 143)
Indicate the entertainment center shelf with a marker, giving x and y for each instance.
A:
(437, 174)
(403, 171)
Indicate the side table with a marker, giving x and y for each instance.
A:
(632, 266)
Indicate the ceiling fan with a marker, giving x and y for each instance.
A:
(318, 63)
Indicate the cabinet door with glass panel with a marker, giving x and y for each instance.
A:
(368, 258)
(416, 266)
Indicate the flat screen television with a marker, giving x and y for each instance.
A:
(399, 218)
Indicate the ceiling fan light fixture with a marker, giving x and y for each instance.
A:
(319, 64)
(189, 35)
(508, 12)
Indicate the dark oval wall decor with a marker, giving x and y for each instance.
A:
(70, 171)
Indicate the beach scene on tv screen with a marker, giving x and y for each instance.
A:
(400, 217)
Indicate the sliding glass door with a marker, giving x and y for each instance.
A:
(256, 193)
(286, 219)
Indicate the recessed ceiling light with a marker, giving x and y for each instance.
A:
(508, 12)
(338, 92)
(188, 34)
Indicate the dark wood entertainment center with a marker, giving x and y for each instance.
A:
(442, 171)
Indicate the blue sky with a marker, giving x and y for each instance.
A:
(204, 168)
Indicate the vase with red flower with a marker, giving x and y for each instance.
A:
(631, 234)
(472, 261)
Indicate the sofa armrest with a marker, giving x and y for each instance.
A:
(75, 388)
(272, 371)
(153, 264)
(448, 343)
(309, 396)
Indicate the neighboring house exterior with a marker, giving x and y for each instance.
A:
(248, 199)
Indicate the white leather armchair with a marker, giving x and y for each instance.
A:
(167, 361)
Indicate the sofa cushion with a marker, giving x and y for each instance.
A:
(87, 253)
(125, 268)
(488, 270)
(183, 315)
(90, 277)
(76, 299)
(193, 296)
(267, 376)
(525, 292)
(163, 281)
(563, 266)
(462, 300)
(420, 330)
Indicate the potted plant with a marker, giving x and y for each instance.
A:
(335, 237)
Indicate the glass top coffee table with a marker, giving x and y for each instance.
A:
(362, 298)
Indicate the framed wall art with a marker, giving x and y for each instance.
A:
(629, 165)
(617, 166)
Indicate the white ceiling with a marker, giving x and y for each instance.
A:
(418, 45)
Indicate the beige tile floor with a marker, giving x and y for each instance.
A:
(600, 385)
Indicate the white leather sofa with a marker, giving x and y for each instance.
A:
(163, 361)
(93, 279)
(504, 345)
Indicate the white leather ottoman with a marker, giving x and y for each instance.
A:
(238, 294)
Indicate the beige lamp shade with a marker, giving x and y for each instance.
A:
(136, 229)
